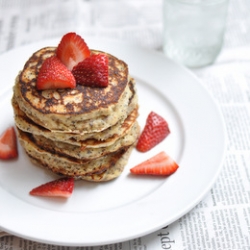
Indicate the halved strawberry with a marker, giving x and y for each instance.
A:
(54, 75)
(8, 144)
(155, 131)
(58, 188)
(93, 71)
(72, 49)
(160, 164)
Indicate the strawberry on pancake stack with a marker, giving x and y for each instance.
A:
(76, 110)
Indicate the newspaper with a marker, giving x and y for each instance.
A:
(28, 21)
(222, 219)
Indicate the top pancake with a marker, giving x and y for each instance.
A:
(70, 106)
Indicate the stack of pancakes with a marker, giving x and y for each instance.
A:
(85, 132)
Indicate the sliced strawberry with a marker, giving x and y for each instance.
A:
(58, 188)
(93, 71)
(155, 131)
(160, 164)
(8, 144)
(54, 75)
(72, 49)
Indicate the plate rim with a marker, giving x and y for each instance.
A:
(148, 53)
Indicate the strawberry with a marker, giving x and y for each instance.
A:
(54, 75)
(8, 144)
(155, 130)
(160, 164)
(93, 71)
(58, 188)
(71, 50)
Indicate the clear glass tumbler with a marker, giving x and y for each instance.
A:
(194, 30)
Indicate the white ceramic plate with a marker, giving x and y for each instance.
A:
(130, 206)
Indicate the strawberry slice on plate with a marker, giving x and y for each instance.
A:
(8, 144)
(54, 75)
(58, 188)
(156, 130)
(72, 49)
(93, 71)
(160, 164)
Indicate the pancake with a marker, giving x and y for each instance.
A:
(68, 166)
(87, 153)
(112, 133)
(64, 110)
(112, 172)
(109, 174)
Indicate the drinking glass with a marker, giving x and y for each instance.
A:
(194, 30)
